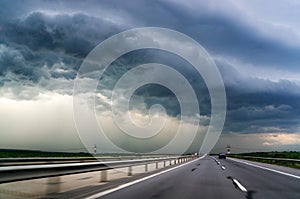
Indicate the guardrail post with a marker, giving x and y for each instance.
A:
(170, 162)
(103, 177)
(164, 163)
(130, 171)
(156, 165)
(146, 167)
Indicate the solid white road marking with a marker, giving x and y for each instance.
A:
(103, 193)
(269, 169)
(240, 186)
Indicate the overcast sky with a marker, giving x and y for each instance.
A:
(255, 45)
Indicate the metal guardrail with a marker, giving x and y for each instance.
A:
(30, 161)
(38, 159)
(57, 160)
(27, 172)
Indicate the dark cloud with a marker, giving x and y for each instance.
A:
(152, 93)
(37, 45)
(16, 61)
(75, 34)
(255, 103)
(219, 33)
(228, 38)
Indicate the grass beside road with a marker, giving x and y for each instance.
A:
(275, 154)
(16, 153)
(11, 153)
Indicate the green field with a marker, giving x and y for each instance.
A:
(15, 153)
(274, 154)
(8, 153)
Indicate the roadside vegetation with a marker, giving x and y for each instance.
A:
(11, 153)
(17, 153)
(278, 157)
(275, 154)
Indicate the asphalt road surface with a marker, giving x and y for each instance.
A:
(211, 178)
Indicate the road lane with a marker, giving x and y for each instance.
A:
(262, 183)
(206, 178)
(199, 179)
(288, 170)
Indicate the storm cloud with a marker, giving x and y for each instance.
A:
(42, 45)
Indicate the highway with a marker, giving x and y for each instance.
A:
(210, 178)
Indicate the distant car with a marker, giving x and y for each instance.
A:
(222, 156)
